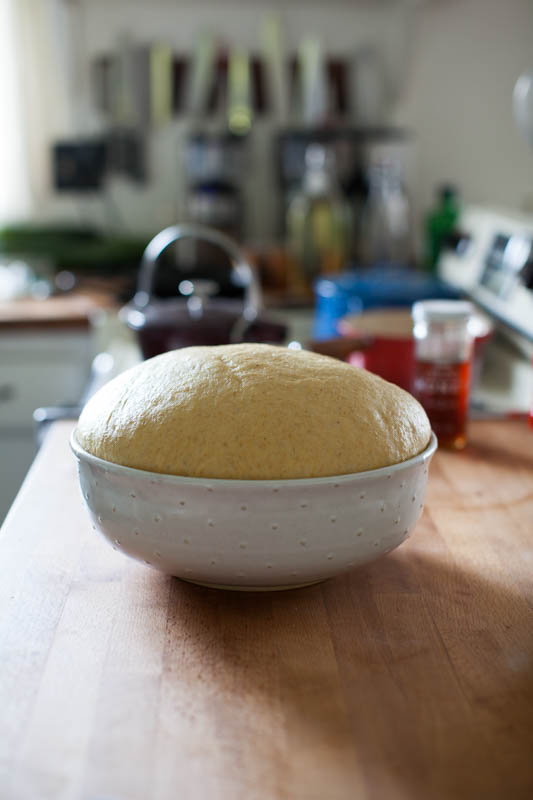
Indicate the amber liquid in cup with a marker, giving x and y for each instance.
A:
(443, 390)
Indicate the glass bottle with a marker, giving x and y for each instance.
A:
(318, 218)
(439, 223)
(443, 357)
(384, 229)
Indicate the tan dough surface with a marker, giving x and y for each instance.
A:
(251, 412)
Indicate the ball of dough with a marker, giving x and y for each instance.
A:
(251, 411)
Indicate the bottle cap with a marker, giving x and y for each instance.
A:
(447, 191)
(442, 311)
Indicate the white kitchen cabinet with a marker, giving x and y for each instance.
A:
(37, 368)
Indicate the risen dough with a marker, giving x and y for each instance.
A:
(251, 411)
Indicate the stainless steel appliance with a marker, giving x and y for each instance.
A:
(490, 260)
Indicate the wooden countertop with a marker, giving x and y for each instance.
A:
(409, 679)
(73, 310)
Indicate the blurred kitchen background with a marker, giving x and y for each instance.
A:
(361, 155)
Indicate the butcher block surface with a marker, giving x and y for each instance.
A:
(411, 678)
(69, 311)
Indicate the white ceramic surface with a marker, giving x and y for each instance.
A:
(253, 534)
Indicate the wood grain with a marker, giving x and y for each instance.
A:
(408, 679)
(66, 311)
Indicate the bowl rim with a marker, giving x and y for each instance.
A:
(83, 455)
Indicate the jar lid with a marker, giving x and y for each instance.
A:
(442, 310)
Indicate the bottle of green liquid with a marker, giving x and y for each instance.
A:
(439, 224)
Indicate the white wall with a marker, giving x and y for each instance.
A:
(466, 56)
(454, 62)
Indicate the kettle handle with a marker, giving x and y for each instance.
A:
(245, 271)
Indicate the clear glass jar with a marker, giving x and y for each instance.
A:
(443, 358)
(384, 230)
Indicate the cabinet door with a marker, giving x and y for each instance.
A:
(17, 450)
(25, 387)
(35, 370)
(42, 370)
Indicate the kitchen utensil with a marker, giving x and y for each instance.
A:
(161, 60)
(274, 58)
(202, 67)
(390, 342)
(125, 111)
(197, 318)
(239, 93)
(312, 81)
(255, 534)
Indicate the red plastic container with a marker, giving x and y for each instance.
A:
(390, 352)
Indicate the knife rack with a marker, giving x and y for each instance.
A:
(337, 80)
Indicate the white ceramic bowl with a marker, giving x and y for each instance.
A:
(253, 534)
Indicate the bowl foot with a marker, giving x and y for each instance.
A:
(232, 588)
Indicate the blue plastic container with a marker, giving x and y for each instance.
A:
(379, 287)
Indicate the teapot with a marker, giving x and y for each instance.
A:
(198, 316)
